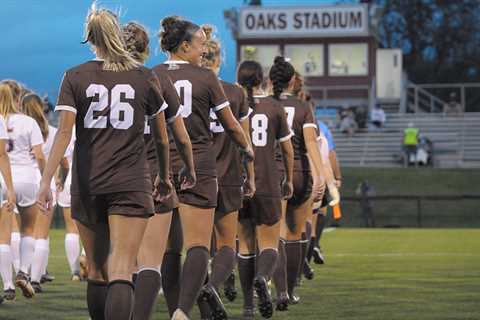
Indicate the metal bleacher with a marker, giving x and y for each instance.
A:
(456, 141)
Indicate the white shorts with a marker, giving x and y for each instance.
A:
(26, 193)
(64, 197)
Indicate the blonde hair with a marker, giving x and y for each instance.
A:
(16, 89)
(213, 48)
(32, 106)
(7, 103)
(103, 31)
(136, 41)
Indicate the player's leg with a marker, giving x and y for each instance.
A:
(72, 246)
(318, 257)
(172, 263)
(196, 238)
(280, 274)
(15, 243)
(6, 218)
(246, 264)
(28, 215)
(149, 261)
(40, 256)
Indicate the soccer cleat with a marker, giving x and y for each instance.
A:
(282, 302)
(210, 295)
(229, 288)
(265, 304)
(307, 270)
(83, 267)
(37, 287)
(248, 313)
(318, 257)
(9, 295)
(179, 315)
(23, 282)
(76, 277)
(47, 277)
(293, 298)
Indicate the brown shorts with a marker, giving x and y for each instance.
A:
(229, 199)
(202, 195)
(262, 210)
(302, 188)
(94, 209)
(167, 205)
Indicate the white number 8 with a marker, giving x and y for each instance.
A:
(117, 107)
(259, 130)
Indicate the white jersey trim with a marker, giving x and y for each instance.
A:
(66, 108)
(160, 110)
(172, 118)
(221, 106)
(310, 125)
(286, 138)
(250, 110)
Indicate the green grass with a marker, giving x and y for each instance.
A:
(370, 274)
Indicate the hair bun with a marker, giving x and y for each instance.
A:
(208, 29)
(169, 22)
(279, 59)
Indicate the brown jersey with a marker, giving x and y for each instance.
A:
(173, 111)
(268, 125)
(229, 169)
(110, 107)
(299, 116)
(199, 91)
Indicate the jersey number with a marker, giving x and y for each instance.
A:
(290, 115)
(259, 130)
(185, 87)
(121, 113)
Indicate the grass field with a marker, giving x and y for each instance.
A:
(370, 274)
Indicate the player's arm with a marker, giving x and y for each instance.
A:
(39, 156)
(163, 185)
(287, 154)
(249, 167)
(6, 171)
(335, 165)
(235, 131)
(184, 147)
(60, 144)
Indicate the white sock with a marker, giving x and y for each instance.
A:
(6, 266)
(72, 248)
(15, 249)
(44, 269)
(39, 259)
(27, 248)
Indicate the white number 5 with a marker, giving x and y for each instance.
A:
(121, 113)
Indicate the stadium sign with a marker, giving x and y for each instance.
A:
(302, 22)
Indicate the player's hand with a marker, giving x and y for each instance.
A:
(249, 188)
(187, 178)
(287, 189)
(44, 198)
(338, 183)
(247, 154)
(59, 185)
(318, 191)
(334, 194)
(11, 200)
(163, 189)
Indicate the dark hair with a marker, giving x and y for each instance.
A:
(250, 75)
(174, 31)
(280, 74)
(136, 40)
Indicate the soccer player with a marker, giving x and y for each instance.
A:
(260, 215)
(8, 200)
(201, 92)
(32, 106)
(25, 140)
(148, 281)
(296, 209)
(107, 99)
(230, 182)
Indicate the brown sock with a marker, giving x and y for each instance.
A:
(171, 271)
(246, 272)
(194, 272)
(266, 262)
(96, 296)
(119, 302)
(147, 285)
(294, 254)
(222, 266)
(280, 274)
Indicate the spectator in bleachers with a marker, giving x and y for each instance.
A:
(411, 137)
(348, 124)
(453, 107)
(361, 116)
(377, 117)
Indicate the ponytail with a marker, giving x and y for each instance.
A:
(280, 75)
(103, 31)
(249, 76)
